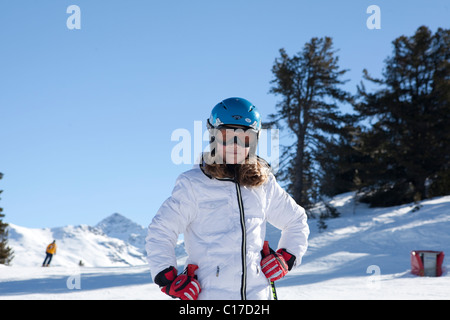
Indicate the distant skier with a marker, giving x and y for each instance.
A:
(51, 250)
(222, 206)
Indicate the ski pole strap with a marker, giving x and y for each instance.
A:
(191, 270)
(266, 249)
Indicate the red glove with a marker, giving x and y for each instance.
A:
(185, 286)
(276, 265)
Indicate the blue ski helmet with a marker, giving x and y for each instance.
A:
(235, 111)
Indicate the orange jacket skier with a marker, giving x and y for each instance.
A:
(51, 250)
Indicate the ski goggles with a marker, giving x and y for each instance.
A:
(242, 137)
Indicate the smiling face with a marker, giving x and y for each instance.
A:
(234, 144)
(232, 153)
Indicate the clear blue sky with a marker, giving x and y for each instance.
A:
(86, 116)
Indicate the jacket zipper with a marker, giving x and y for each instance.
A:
(244, 243)
(243, 229)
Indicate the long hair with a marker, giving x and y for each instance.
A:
(248, 174)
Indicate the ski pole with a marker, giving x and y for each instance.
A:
(266, 252)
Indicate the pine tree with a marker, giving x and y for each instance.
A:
(309, 84)
(341, 161)
(408, 143)
(6, 253)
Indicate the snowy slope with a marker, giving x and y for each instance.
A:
(114, 241)
(75, 243)
(363, 254)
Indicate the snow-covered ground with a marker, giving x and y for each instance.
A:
(363, 254)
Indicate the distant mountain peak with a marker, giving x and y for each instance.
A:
(116, 240)
(120, 227)
(115, 218)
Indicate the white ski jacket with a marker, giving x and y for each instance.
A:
(224, 226)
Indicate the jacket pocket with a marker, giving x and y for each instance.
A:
(214, 217)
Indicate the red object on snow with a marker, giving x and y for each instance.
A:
(427, 263)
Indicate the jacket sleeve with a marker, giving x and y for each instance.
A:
(171, 220)
(285, 214)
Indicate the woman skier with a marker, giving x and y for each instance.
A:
(222, 206)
